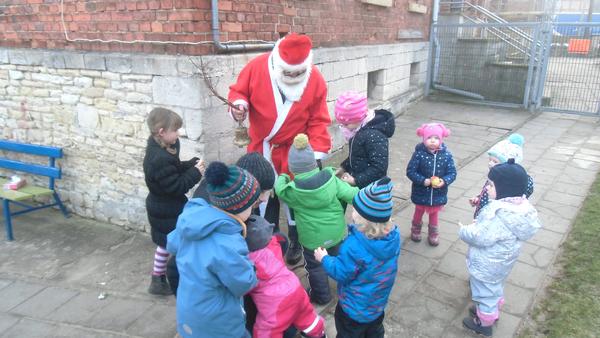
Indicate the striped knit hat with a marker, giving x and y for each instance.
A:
(231, 188)
(374, 202)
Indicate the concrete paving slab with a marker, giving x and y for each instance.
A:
(520, 299)
(425, 315)
(44, 302)
(7, 320)
(80, 309)
(547, 238)
(30, 328)
(454, 264)
(526, 276)
(119, 314)
(16, 293)
(156, 322)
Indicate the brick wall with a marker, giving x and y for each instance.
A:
(37, 23)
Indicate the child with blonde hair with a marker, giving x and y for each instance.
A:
(316, 197)
(366, 266)
(431, 170)
(168, 180)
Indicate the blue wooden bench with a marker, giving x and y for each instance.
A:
(29, 191)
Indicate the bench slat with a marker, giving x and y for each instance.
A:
(30, 168)
(26, 192)
(33, 149)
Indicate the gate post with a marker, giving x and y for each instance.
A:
(533, 63)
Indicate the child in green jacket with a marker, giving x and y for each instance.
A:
(315, 196)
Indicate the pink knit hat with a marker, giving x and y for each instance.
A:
(351, 107)
(433, 129)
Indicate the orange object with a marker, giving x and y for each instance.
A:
(579, 46)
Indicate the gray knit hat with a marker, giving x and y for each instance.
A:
(301, 158)
(259, 232)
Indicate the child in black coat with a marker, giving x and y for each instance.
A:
(168, 180)
(367, 133)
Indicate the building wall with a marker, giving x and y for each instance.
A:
(94, 105)
(38, 23)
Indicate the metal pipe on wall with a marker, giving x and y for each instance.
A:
(227, 48)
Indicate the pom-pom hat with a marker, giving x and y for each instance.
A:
(301, 158)
(433, 129)
(231, 188)
(512, 147)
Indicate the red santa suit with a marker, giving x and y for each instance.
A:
(275, 119)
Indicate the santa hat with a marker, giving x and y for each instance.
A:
(293, 52)
(433, 129)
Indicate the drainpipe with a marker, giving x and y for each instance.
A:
(238, 47)
(433, 45)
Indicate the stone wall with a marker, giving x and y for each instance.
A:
(94, 106)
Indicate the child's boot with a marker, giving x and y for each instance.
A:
(294, 252)
(159, 286)
(474, 324)
(433, 237)
(415, 232)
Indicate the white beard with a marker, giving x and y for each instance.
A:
(291, 88)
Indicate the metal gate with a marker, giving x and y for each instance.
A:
(534, 65)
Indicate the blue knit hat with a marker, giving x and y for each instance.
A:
(231, 188)
(374, 202)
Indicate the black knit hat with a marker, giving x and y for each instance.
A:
(260, 168)
(232, 188)
(259, 232)
(510, 179)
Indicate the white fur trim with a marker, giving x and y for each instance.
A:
(319, 155)
(237, 103)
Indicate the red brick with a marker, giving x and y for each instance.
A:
(154, 4)
(225, 5)
(157, 27)
(166, 4)
(231, 26)
(289, 11)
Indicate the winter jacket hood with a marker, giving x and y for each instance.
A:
(202, 220)
(383, 248)
(383, 121)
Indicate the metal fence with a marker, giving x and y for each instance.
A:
(537, 65)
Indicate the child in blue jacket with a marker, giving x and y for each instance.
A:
(212, 255)
(366, 266)
(431, 170)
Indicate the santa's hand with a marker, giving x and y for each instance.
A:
(320, 253)
(239, 113)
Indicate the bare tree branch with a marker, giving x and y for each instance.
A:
(208, 82)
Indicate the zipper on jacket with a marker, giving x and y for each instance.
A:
(350, 157)
(430, 186)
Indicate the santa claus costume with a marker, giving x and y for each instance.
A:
(284, 95)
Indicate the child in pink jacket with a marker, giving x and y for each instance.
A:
(280, 298)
